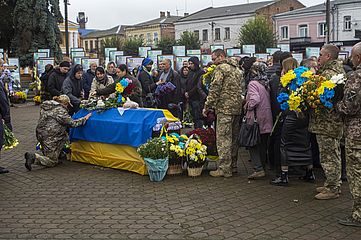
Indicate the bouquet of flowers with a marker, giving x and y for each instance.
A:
(9, 139)
(124, 87)
(18, 97)
(37, 99)
(165, 88)
(176, 145)
(156, 148)
(208, 76)
(195, 152)
(208, 138)
(306, 91)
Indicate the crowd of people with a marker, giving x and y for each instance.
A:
(240, 90)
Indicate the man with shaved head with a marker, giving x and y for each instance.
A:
(328, 127)
(350, 106)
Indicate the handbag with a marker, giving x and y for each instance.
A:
(249, 134)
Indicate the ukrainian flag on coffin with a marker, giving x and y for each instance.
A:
(119, 126)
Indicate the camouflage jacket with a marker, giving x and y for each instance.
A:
(54, 121)
(330, 123)
(350, 106)
(225, 92)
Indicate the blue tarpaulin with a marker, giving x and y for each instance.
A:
(116, 126)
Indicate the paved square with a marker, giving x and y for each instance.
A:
(80, 201)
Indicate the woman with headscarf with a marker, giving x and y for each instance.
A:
(73, 87)
(258, 106)
(101, 80)
(51, 131)
(295, 145)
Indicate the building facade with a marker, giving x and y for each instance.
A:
(307, 27)
(92, 42)
(221, 25)
(154, 30)
(74, 37)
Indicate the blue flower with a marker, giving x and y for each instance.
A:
(323, 98)
(120, 98)
(284, 106)
(124, 83)
(293, 86)
(300, 70)
(328, 104)
(329, 93)
(301, 80)
(182, 145)
(283, 97)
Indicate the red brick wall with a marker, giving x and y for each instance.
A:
(279, 7)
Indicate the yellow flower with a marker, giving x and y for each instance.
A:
(327, 84)
(287, 78)
(119, 88)
(307, 74)
(294, 102)
(170, 139)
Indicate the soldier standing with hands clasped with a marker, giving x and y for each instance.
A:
(350, 106)
(225, 97)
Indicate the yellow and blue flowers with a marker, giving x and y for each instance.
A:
(306, 91)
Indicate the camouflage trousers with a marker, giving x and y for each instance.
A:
(353, 164)
(235, 133)
(49, 159)
(330, 153)
(225, 141)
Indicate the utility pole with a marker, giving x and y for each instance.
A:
(328, 12)
(66, 27)
(212, 25)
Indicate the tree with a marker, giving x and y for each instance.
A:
(190, 40)
(257, 31)
(131, 46)
(6, 23)
(166, 44)
(36, 27)
(111, 42)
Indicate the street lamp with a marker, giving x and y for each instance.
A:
(66, 27)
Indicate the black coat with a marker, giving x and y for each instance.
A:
(175, 96)
(274, 85)
(73, 88)
(4, 111)
(87, 82)
(193, 85)
(55, 82)
(148, 85)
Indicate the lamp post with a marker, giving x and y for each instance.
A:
(66, 27)
(328, 9)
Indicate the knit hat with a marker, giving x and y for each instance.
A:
(147, 61)
(64, 64)
(194, 60)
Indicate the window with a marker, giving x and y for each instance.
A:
(322, 29)
(96, 44)
(217, 34)
(347, 23)
(149, 39)
(205, 35)
(227, 33)
(292, 8)
(303, 30)
(284, 32)
(86, 46)
(196, 33)
(155, 37)
(91, 45)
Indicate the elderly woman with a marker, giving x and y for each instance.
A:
(101, 81)
(122, 72)
(51, 131)
(258, 105)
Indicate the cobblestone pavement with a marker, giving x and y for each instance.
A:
(80, 201)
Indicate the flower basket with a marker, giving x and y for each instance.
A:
(175, 169)
(194, 172)
(157, 168)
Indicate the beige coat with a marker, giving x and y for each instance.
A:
(96, 85)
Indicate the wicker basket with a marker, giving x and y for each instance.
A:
(175, 169)
(195, 172)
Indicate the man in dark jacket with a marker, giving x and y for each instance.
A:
(56, 79)
(169, 75)
(4, 111)
(147, 82)
(88, 77)
(276, 66)
(194, 93)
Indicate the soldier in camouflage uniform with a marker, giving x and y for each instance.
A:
(51, 131)
(328, 129)
(225, 97)
(350, 106)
